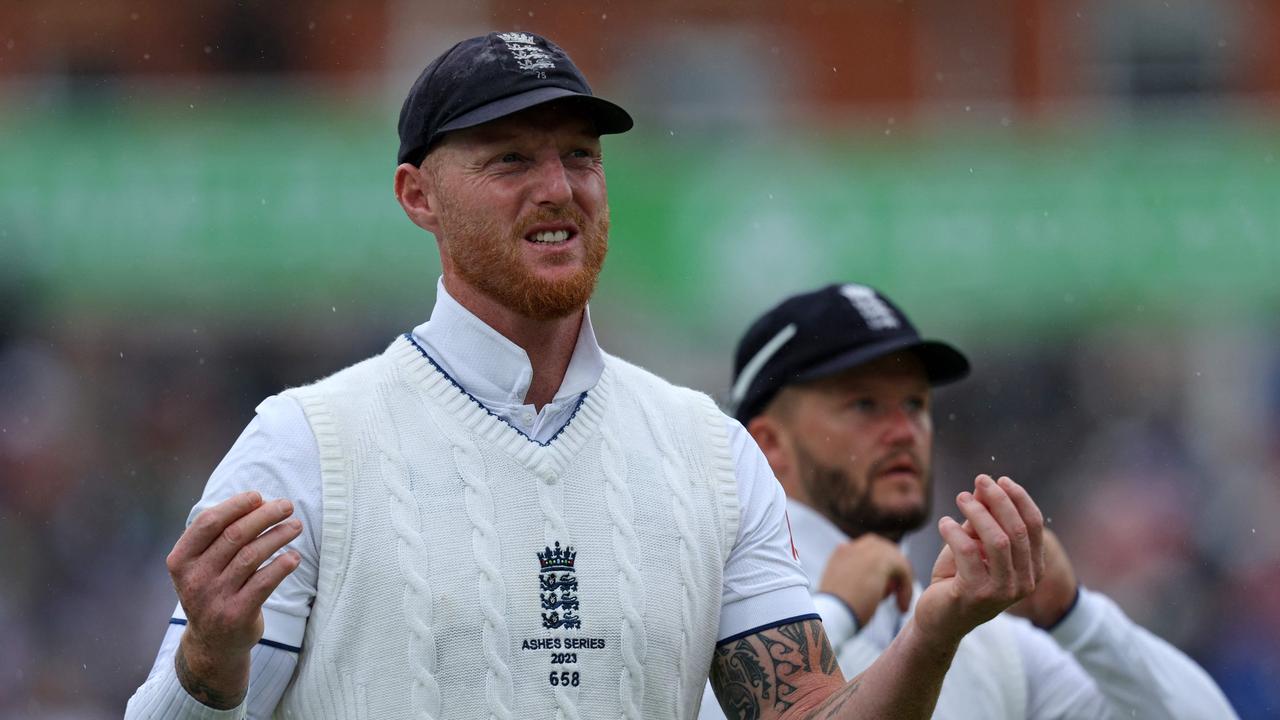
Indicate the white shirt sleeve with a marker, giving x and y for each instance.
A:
(277, 456)
(764, 584)
(1099, 663)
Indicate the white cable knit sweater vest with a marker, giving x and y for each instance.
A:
(467, 571)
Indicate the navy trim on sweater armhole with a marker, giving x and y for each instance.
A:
(264, 641)
(770, 626)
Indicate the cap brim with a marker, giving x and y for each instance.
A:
(608, 118)
(942, 363)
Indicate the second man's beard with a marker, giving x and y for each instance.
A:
(851, 508)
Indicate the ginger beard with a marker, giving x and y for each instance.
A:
(851, 506)
(489, 258)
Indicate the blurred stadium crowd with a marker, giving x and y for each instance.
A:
(1154, 447)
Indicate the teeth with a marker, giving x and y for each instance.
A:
(550, 237)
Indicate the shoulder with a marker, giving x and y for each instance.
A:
(648, 384)
(353, 382)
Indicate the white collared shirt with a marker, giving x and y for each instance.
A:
(277, 456)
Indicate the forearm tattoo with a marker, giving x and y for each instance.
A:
(201, 691)
(758, 672)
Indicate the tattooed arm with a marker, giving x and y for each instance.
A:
(789, 671)
(766, 674)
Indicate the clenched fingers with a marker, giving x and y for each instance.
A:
(264, 582)
(997, 501)
(209, 525)
(993, 540)
(1034, 521)
(965, 558)
(250, 557)
(244, 531)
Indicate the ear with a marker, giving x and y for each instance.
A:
(415, 190)
(775, 443)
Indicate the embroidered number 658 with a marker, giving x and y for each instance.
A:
(565, 678)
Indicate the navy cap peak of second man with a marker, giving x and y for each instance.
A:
(825, 331)
(491, 76)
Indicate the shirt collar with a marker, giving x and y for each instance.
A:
(493, 369)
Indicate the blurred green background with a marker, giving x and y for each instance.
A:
(196, 212)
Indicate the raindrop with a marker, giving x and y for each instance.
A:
(1253, 530)
(833, 68)
(334, 308)
(1222, 42)
(1005, 121)
(121, 353)
(604, 16)
(672, 133)
(311, 25)
(133, 16)
(770, 196)
(993, 458)
(968, 108)
(207, 49)
(530, 13)
(146, 56)
(264, 201)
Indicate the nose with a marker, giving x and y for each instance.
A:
(899, 428)
(551, 184)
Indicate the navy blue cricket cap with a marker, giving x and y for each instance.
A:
(823, 332)
(492, 76)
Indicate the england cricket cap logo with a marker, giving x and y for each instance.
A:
(525, 51)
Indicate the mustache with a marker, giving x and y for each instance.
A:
(551, 215)
(879, 467)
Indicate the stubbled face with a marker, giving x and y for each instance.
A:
(523, 211)
(860, 445)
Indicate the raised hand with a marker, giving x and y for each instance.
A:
(864, 571)
(987, 566)
(217, 570)
(1056, 592)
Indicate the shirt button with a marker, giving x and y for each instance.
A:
(549, 478)
(527, 417)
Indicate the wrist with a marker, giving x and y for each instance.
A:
(933, 647)
(214, 677)
(1052, 620)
